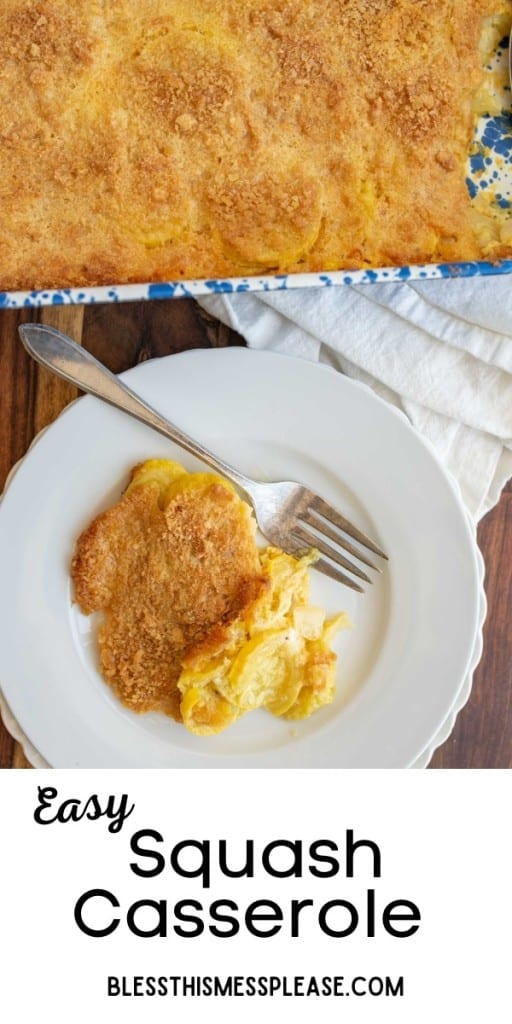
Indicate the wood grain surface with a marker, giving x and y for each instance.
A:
(122, 336)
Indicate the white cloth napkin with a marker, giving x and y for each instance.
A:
(439, 350)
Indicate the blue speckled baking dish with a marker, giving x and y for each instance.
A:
(489, 169)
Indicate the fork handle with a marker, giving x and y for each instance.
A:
(62, 356)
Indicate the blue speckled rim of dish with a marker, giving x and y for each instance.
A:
(277, 282)
(489, 170)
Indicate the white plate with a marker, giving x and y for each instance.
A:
(401, 669)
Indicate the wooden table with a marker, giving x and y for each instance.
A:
(123, 335)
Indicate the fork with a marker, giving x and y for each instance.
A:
(289, 515)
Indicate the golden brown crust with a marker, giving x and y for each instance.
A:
(163, 577)
(187, 138)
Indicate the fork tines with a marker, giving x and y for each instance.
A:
(329, 525)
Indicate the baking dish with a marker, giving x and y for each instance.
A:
(489, 173)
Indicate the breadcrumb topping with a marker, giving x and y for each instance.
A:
(163, 578)
(202, 138)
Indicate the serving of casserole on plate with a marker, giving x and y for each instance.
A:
(404, 668)
(206, 144)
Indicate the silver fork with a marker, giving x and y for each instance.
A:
(289, 515)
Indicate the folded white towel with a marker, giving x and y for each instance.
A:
(440, 350)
